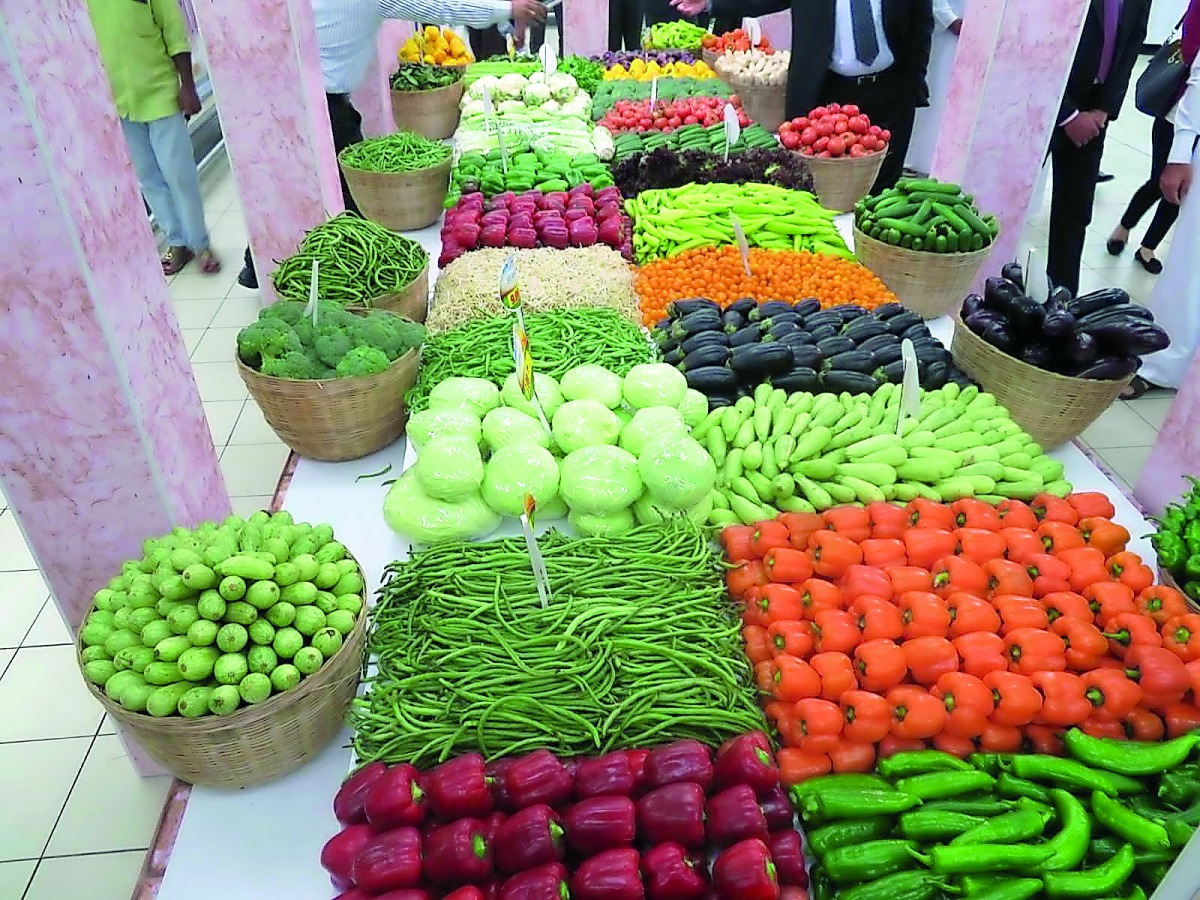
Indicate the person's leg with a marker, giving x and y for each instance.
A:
(657, 11)
(1072, 198)
(900, 124)
(346, 124)
(177, 162)
(1161, 137)
(151, 181)
(726, 24)
(631, 24)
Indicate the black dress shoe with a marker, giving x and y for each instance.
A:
(1115, 247)
(1153, 265)
(1104, 178)
(247, 278)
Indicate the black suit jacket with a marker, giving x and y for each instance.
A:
(1082, 90)
(908, 25)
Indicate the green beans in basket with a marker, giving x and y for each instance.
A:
(638, 646)
(359, 261)
(399, 152)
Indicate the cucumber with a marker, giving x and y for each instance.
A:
(247, 567)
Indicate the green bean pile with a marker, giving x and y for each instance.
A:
(403, 151)
(638, 646)
(359, 261)
(561, 340)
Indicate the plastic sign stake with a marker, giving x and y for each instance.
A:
(489, 115)
(311, 309)
(753, 30)
(743, 244)
(510, 45)
(549, 59)
(653, 94)
(733, 128)
(910, 386)
(510, 298)
(536, 560)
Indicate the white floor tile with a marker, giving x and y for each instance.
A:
(14, 877)
(49, 630)
(217, 345)
(1153, 408)
(247, 506)
(237, 312)
(252, 428)
(193, 314)
(191, 338)
(43, 695)
(35, 778)
(1126, 462)
(104, 876)
(253, 469)
(14, 552)
(131, 804)
(1119, 426)
(192, 286)
(222, 415)
(219, 381)
(6, 657)
(25, 594)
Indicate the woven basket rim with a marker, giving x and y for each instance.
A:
(1033, 371)
(366, 304)
(838, 159)
(447, 163)
(958, 255)
(433, 90)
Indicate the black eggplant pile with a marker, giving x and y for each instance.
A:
(726, 353)
(1101, 335)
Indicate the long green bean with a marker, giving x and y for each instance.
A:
(561, 340)
(639, 646)
(403, 151)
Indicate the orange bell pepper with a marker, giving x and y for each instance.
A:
(916, 713)
(1109, 598)
(1065, 700)
(1066, 605)
(1087, 567)
(1163, 677)
(1104, 534)
(1128, 630)
(958, 573)
(888, 521)
(851, 522)
(1103, 728)
(867, 716)
(879, 664)
(924, 613)
(1091, 503)
(816, 594)
(767, 534)
(929, 658)
(1129, 569)
(968, 703)
(981, 652)
(1085, 644)
(1049, 508)
(836, 630)
(780, 603)
(1059, 536)
(1007, 577)
(1032, 650)
(925, 546)
(1045, 739)
(1181, 718)
(1140, 724)
(880, 553)
(1161, 603)
(997, 738)
(1019, 612)
(800, 526)
(736, 541)
(796, 766)
(853, 756)
(908, 578)
(1015, 699)
(924, 513)
(970, 613)
(744, 576)
(1016, 514)
(1112, 693)
(980, 545)
(1021, 545)
(758, 648)
(832, 553)
(787, 565)
(792, 638)
(860, 580)
(972, 513)
(1181, 635)
(1049, 574)
(837, 674)
(794, 679)
(819, 724)
(878, 618)
(955, 746)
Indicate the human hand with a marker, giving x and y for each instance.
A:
(1082, 129)
(690, 8)
(189, 100)
(1175, 181)
(526, 13)
(1100, 116)
(955, 27)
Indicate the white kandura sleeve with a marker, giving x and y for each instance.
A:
(944, 14)
(1187, 119)
(472, 13)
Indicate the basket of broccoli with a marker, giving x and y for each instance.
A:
(331, 385)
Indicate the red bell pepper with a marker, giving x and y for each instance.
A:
(1162, 675)
(790, 892)
(459, 789)
(680, 761)
(390, 862)
(529, 838)
(491, 826)
(349, 805)
(601, 823)
(746, 759)
(611, 875)
(637, 762)
(396, 799)
(787, 852)
(777, 808)
(538, 778)
(403, 894)
(458, 854)
(674, 812)
(604, 775)
(746, 872)
(494, 772)
(355, 894)
(734, 815)
(545, 882)
(671, 873)
(470, 892)
(340, 851)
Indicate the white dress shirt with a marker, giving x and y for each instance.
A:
(945, 14)
(845, 60)
(348, 30)
(1186, 119)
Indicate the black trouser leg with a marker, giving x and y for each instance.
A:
(726, 24)
(657, 11)
(624, 24)
(487, 42)
(346, 123)
(1072, 198)
(887, 107)
(1162, 135)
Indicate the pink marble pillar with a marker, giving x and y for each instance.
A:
(585, 31)
(1177, 451)
(1009, 76)
(777, 29)
(103, 440)
(374, 98)
(262, 58)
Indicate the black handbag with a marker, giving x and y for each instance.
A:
(1159, 86)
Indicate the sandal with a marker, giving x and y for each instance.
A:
(175, 259)
(1138, 387)
(208, 263)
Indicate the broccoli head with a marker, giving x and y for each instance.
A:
(305, 332)
(332, 344)
(264, 338)
(363, 361)
(391, 334)
(294, 364)
(289, 311)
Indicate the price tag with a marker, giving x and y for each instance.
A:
(743, 244)
(538, 563)
(549, 59)
(311, 309)
(753, 30)
(733, 128)
(511, 45)
(510, 298)
(653, 93)
(910, 387)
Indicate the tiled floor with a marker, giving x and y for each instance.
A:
(76, 820)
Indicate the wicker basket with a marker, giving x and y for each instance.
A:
(400, 201)
(930, 284)
(1052, 408)
(765, 104)
(411, 302)
(1165, 577)
(710, 58)
(256, 743)
(432, 113)
(840, 183)
(336, 419)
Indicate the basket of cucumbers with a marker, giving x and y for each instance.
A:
(231, 652)
(925, 240)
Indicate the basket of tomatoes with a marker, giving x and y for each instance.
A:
(843, 149)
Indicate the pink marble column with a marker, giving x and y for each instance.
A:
(262, 58)
(1009, 76)
(103, 440)
(585, 31)
(777, 29)
(374, 98)
(1177, 451)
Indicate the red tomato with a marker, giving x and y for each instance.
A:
(785, 127)
(885, 135)
(856, 151)
(875, 130)
(837, 146)
(819, 112)
(790, 140)
(824, 154)
(850, 109)
(858, 125)
(800, 123)
(834, 107)
(825, 128)
(690, 119)
(821, 145)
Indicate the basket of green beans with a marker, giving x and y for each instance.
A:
(398, 180)
(425, 99)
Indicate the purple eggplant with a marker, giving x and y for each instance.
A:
(1127, 337)
(1110, 368)
(1082, 349)
(810, 305)
(1121, 311)
(1013, 272)
(768, 309)
(998, 334)
(704, 339)
(1040, 355)
(760, 360)
(971, 305)
(708, 355)
(1089, 303)
(1058, 322)
(751, 334)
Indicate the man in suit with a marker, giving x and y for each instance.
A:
(872, 53)
(1108, 47)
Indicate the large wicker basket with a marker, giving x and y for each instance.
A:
(400, 201)
(257, 743)
(765, 104)
(432, 113)
(841, 182)
(930, 284)
(336, 419)
(1165, 577)
(412, 302)
(710, 58)
(1053, 408)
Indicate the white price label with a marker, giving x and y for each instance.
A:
(910, 387)
(538, 564)
(733, 128)
(485, 98)
(549, 59)
(743, 244)
(653, 94)
(311, 309)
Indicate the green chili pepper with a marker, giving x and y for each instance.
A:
(1179, 832)
(1104, 848)
(842, 834)
(1151, 857)
(819, 885)
(919, 762)
(928, 825)
(1103, 879)
(1010, 889)
(1130, 758)
(1179, 788)
(977, 884)
(1070, 845)
(869, 861)
(1009, 785)
(1191, 569)
(915, 885)
(854, 803)
(1192, 589)
(1074, 774)
(847, 781)
(1125, 823)
(944, 859)
(979, 805)
(1151, 875)
(1024, 823)
(1136, 894)
(940, 785)
(992, 763)
(1171, 549)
